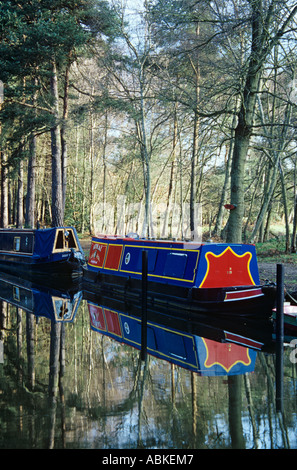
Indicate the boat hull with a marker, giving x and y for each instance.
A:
(205, 278)
(45, 253)
(67, 268)
(249, 300)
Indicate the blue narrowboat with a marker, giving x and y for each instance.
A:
(203, 355)
(58, 305)
(218, 278)
(44, 252)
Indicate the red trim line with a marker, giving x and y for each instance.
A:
(250, 343)
(243, 294)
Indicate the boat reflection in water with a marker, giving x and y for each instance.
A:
(198, 346)
(208, 346)
(41, 300)
(112, 406)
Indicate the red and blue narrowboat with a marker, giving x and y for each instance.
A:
(213, 278)
(44, 252)
(204, 355)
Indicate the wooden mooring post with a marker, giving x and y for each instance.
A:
(279, 369)
(144, 306)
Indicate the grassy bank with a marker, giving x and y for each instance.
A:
(273, 251)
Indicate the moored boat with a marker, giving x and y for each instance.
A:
(167, 339)
(57, 304)
(43, 252)
(213, 278)
(289, 318)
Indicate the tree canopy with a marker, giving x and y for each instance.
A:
(144, 115)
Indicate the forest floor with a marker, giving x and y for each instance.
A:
(267, 261)
(267, 271)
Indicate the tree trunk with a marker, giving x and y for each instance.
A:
(64, 148)
(92, 176)
(218, 225)
(193, 229)
(262, 44)
(293, 239)
(267, 198)
(146, 163)
(172, 173)
(20, 196)
(4, 191)
(193, 179)
(104, 172)
(57, 193)
(31, 179)
(30, 336)
(285, 203)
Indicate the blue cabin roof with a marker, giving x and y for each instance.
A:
(52, 239)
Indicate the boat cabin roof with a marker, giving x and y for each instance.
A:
(41, 242)
(191, 245)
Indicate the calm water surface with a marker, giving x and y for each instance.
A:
(72, 376)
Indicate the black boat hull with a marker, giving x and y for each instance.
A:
(199, 300)
(26, 267)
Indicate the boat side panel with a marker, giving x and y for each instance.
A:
(13, 241)
(224, 358)
(113, 257)
(97, 254)
(162, 342)
(222, 265)
(165, 263)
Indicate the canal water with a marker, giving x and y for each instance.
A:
(72, 376)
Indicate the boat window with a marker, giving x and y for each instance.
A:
(65, 240)
(16, 293)
(175, 265)
(71, 239)
(16, 243)
(175, 345)
(152, 257)
(60, 240)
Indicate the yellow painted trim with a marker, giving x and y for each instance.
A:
(218, 363)
(221, 254)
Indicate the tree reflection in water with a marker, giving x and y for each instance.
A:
(64, 385)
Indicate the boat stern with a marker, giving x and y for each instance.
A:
(225, 265)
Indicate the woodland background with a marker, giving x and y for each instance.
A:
(182, 105)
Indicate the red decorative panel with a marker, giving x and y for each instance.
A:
(97, 254)
(113, 323)
(113, 257)
(97, 317)
(225, 354)
(227, 269)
